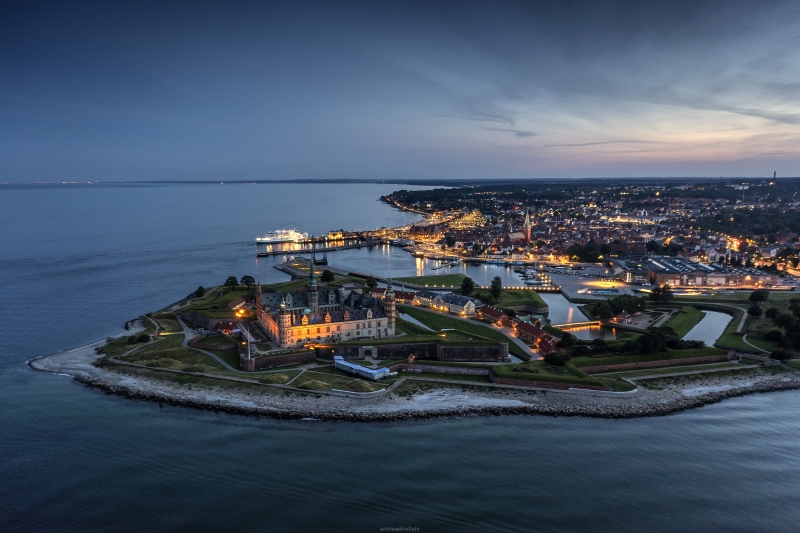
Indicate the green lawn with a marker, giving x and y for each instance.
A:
(214, 306)
(169, 353)
(288, 285)
(229, 356)
(279, 378)
(441, 280)
(454, 377)
(541, 371)
(439, 322)
(404, 326)
(684, 320)
(321, 381)
(734, 340)
(521, 297)
(616, 384)
(218, 339)
(166, 321)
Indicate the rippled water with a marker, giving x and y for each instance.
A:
(77, 262)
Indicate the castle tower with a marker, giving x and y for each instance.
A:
(313, 294)
(388, 306)
(258, 299)
(284, 323)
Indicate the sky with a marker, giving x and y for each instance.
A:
(380, 90)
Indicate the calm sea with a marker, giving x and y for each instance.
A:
(76, 262)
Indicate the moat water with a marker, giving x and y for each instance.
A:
(78, 261)
(710, 328)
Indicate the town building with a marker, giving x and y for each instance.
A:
(681, 272)
(450, 302)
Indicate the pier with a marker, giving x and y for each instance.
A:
(361, 244)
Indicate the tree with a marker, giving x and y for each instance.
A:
(467, 286)
(497, 287)
(327, 276)
(200, 291)
(249, 281)
(371, 282)
(232, 282)
(755, 310)
(655, 294)
(651, 341)
(555, 359)
(787, 322)
(510, 312)
(794, 306)
(771, 313)
(653, 247)
(759, 295)
(666, 293)
(602, 310)
(781, 355)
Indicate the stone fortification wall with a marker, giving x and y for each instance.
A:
(209, 323)
(495, 353)
(422, 350)
(440, 369)
(261, 362)
(652, 364)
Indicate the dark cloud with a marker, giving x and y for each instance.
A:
(620, 141)
(517, 133)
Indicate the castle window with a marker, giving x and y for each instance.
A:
(317, 330)
(328, 329)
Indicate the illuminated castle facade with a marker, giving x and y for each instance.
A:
(314, 314)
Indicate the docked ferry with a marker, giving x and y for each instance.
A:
(281, 235)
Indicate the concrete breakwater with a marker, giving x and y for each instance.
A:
(350, 415)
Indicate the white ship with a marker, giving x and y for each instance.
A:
(281, 235)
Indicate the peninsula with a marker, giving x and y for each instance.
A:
(338, 346)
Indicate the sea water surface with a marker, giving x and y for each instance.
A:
(78, 261)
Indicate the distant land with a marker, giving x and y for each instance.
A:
(446, 182)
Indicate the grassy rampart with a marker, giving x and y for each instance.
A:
(684, 320)
(438, 322)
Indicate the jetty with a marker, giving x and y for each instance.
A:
(368, 243)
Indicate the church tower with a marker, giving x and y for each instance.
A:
(527, 224)
(313, 294)
(388, 306)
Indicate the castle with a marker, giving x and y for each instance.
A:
(314, 314)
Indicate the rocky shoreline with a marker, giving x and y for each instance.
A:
(589, 411)
(436, 402)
